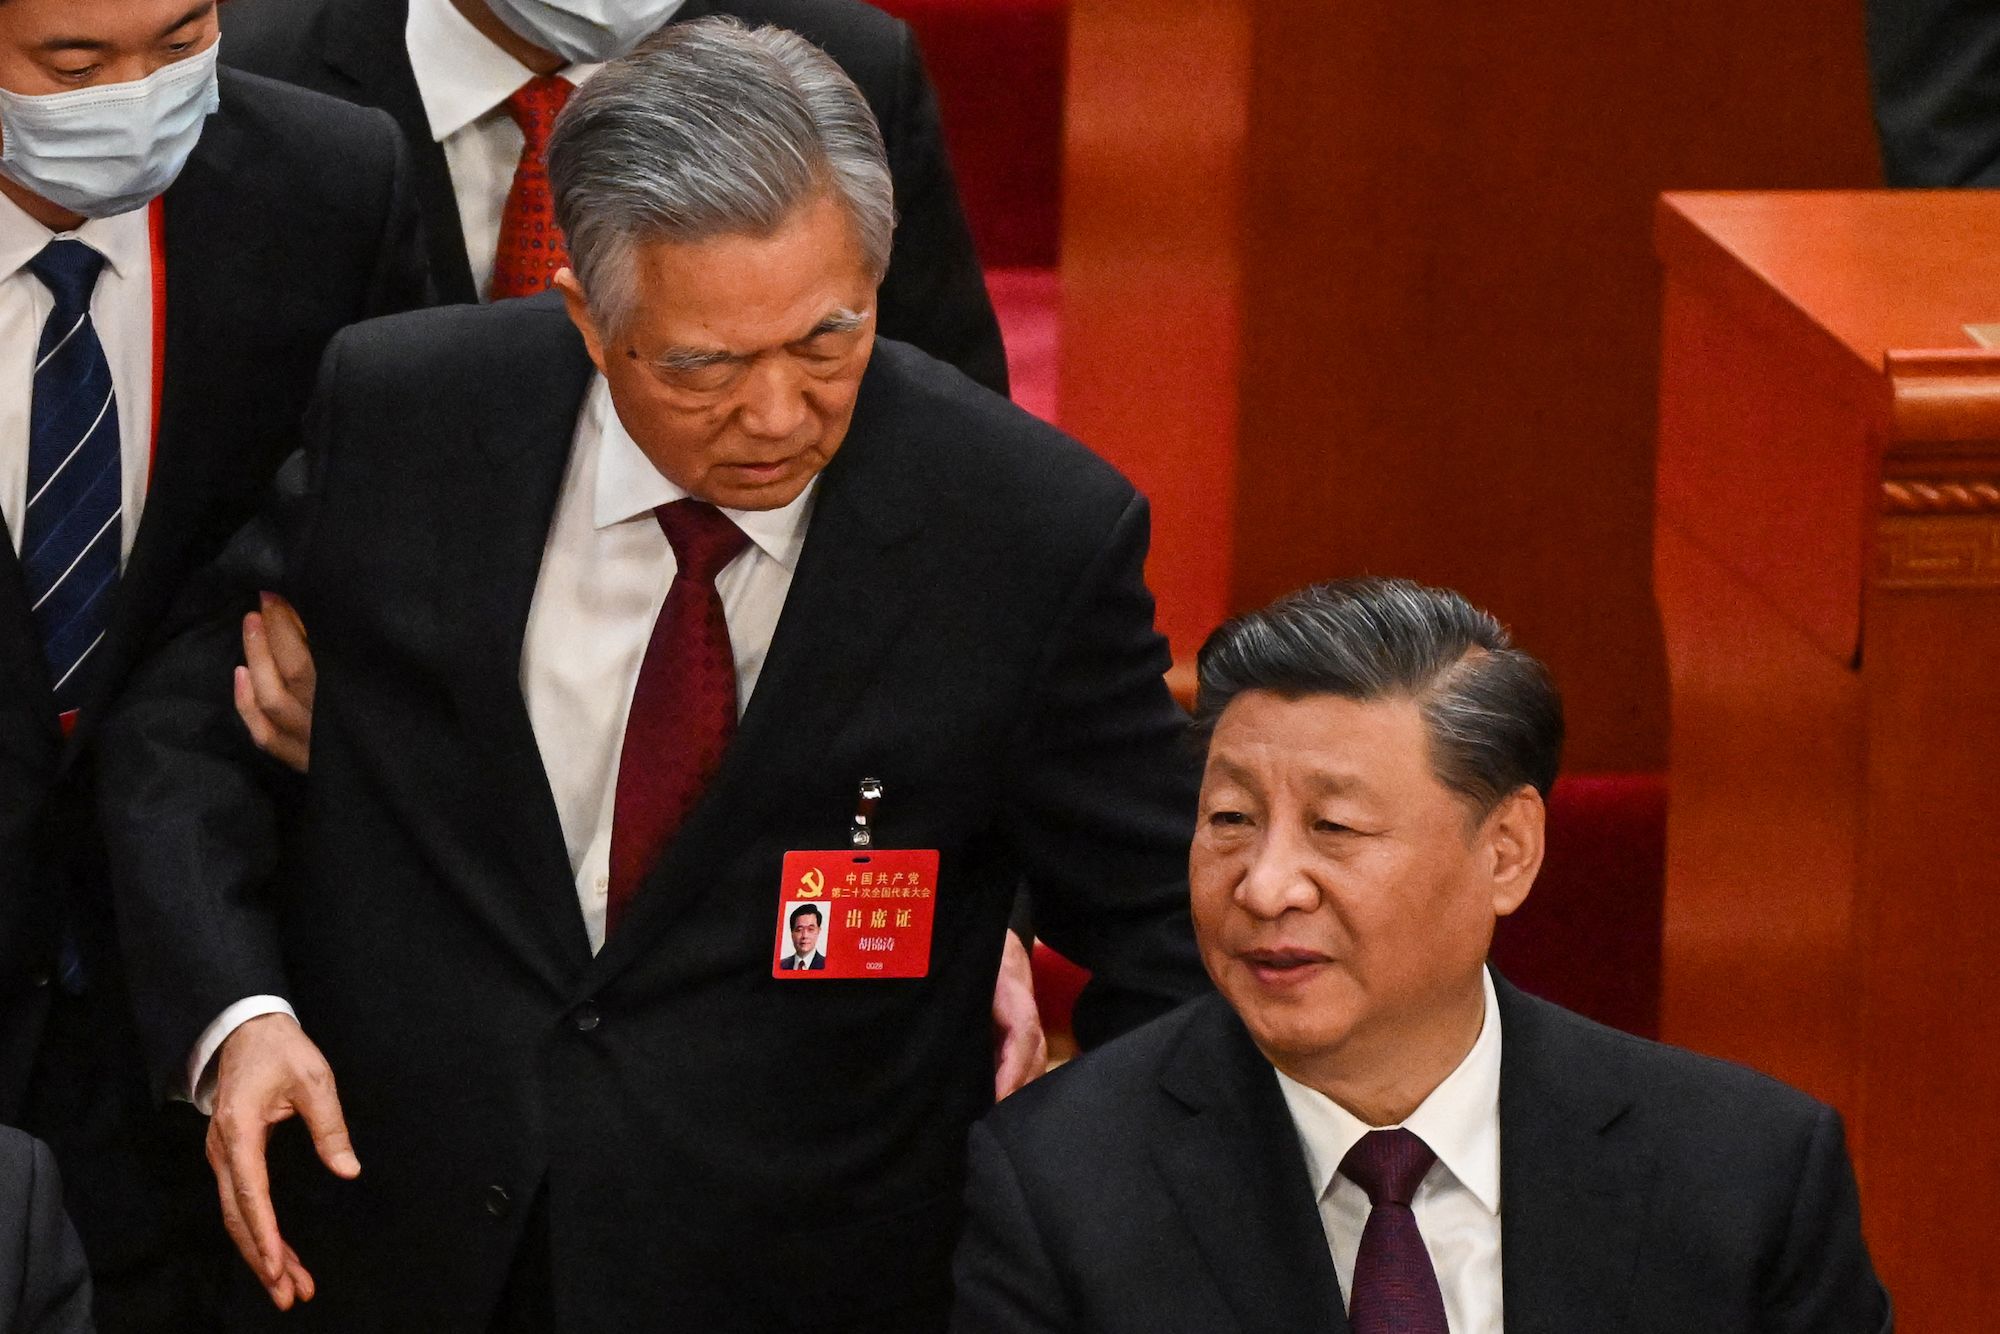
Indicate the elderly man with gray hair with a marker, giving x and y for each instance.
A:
(644, 612)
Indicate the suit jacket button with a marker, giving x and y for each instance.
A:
(585, 1017)
(498, 1201)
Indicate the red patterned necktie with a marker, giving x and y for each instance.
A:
(683, 706)
(531, 247)
(1395, 1288)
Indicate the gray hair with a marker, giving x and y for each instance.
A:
(711, 129)
(1492, 713)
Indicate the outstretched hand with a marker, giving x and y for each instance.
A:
(269, 1071)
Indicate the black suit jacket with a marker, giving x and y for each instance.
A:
(292, 218)
(1158, 1186)
(44, 1284)
(968, 622)
(790, 961)
(1935, 67)
(935, 293)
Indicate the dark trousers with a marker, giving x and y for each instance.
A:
(527, 1304)
(135, 1180)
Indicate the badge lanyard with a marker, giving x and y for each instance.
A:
(156, 233)
(861, 911)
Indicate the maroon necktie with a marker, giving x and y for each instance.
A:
(1395, 1288)
(683, 707)
(530, 251)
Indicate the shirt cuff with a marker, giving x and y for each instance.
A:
(201, 1064)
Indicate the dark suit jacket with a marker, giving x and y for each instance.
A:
(968, 622)
(1158, 1186)
(791, 961)
(44, 1284)
(291, 219)
(1935, 66)
(935, 293)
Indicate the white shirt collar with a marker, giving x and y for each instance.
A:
(124, 240)
(1460, 1120)
(461, 75)
(627, 486)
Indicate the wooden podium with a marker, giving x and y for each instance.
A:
(1827, 564)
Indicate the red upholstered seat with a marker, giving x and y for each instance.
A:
(1588, 937)
(1029, 304)
(999, 67)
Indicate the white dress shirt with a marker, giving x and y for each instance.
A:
(1458, 1203)
(121, 310)
(464, 80)
(605, 574)
(606, 569)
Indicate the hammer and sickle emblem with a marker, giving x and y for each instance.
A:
(812, 884)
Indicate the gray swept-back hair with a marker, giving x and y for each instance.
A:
(1493, 716)
(711, 129)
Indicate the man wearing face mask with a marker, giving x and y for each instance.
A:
(177, 245)
(622, 617)
(475, 85)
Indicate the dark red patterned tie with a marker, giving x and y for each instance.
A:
(1395, 1288)
(531, 247)
(683, 707)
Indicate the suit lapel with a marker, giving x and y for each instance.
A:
(1238, 1175)
(855, 583)
(370, 64)
(197, 242)
(1575, 1186)
(496, 554)
(24, 673)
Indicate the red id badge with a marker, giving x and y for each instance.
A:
(856, 913)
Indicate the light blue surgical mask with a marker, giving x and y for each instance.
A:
(584, 31)
(107, 150)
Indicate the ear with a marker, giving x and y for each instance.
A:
(1513, 842)
(579, 315)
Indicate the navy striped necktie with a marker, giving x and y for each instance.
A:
(70, 539)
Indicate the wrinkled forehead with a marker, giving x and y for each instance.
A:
(745, 292)
(1322, 739)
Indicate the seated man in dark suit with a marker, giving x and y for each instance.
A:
(629, 606)
(44, 1283)
(1367, 1129)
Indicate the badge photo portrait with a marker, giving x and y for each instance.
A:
(804, 933)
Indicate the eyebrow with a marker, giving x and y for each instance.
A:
(685, 360)
(837, 322)
(56, 44)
